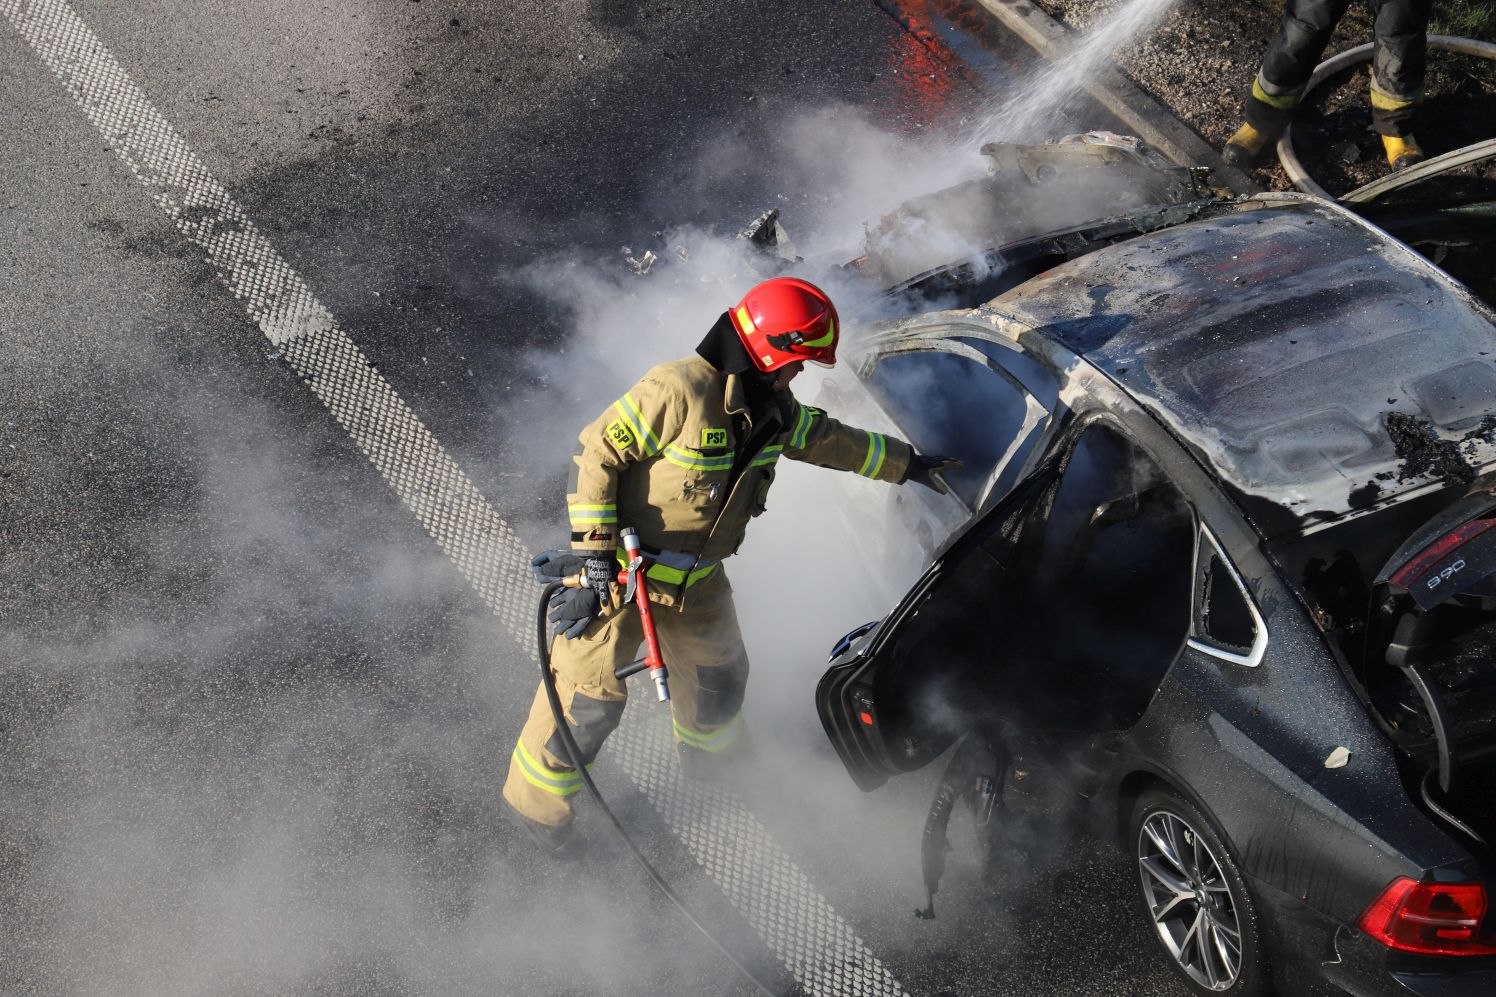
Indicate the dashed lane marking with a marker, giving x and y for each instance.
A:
(816, 945)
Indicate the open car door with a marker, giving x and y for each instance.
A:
(1058, 611)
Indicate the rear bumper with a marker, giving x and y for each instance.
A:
(1317, 955)
(1367, 968)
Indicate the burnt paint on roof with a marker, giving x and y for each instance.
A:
(1274, 338)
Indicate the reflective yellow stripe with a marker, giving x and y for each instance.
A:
(769, 456)
(876, 451)
(675, 576)
(696, 461)
(668, 575)
(1282, 103)
(557, 783)
(592, 513)
(802, 427)
(1387, 102)
(745, 321)
(630, 410)
(825, 340)
(717, 740)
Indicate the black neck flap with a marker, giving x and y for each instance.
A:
(723, 348)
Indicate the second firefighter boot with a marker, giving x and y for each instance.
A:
(1402, 151)
(1248, 145)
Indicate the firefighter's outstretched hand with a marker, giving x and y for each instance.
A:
(930, 470)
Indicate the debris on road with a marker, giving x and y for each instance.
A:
(639, 264)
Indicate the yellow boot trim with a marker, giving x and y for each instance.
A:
(1247, 146)
(1402, 151)
(1249, 138)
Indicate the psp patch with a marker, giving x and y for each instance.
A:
(713, 439)
(620, 434)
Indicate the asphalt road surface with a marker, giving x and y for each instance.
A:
(257, 686)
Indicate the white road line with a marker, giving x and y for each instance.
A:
(816, 945)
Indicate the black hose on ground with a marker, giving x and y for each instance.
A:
(574, 754)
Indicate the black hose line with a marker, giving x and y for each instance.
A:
(574, 754)
(1428, 798)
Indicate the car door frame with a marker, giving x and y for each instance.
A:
(1092, 397)
(941, 332)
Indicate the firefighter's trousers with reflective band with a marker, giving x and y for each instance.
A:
(703, 651)
(1397, 68)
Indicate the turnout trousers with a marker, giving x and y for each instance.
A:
(703, 650)
(1397, 68)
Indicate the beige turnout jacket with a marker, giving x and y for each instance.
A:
(661, 460)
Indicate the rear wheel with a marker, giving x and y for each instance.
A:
(1195, 897)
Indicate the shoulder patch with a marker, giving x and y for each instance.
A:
(620, 435)
(713, 439)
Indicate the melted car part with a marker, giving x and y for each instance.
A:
(975, 774)
(978, 279)
(769, 236)
(1285, 278)
(1029, 190)
(1149, 176)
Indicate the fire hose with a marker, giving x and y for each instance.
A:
(1287, 155)
(636, 590)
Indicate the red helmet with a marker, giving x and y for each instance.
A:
(785, 320)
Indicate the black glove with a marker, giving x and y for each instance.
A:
(599, 567)
(926, 469)
(602, 572)
(572, 610)
(554, 565)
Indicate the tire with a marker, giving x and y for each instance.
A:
(1195, 898)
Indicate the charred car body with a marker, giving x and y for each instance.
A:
(1223, 545)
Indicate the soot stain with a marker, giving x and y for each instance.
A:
(1422, 452)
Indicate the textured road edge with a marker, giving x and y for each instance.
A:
(815, 944)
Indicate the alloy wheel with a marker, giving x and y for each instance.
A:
(1190, 900)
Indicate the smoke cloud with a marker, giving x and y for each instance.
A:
(258, 780)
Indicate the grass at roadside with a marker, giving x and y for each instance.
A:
(1465, 18)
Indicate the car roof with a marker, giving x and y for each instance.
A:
(1274, 338)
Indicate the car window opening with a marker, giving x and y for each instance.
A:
(1078, 599)
(949, 404)
(1224, 623)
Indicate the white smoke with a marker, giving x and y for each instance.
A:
(203, 832)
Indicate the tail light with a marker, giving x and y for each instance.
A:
(1429, 918)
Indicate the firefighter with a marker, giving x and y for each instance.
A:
(686, 457)
(1396, 76)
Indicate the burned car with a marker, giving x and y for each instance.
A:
(1226, 547)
